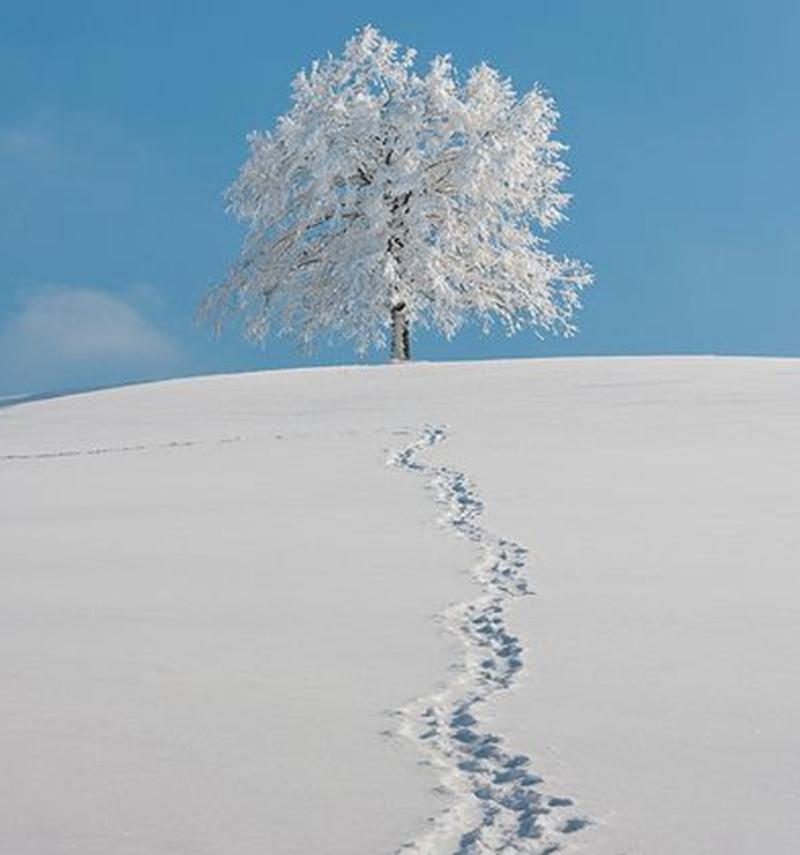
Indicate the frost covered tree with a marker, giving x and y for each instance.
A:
(386, 198)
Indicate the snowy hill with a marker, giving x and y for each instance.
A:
(228, 626)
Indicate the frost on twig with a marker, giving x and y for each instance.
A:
(385, 187)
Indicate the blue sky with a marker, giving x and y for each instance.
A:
(122, 123)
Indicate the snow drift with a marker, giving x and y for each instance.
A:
(218, 600)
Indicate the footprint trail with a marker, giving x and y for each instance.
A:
(499, 802)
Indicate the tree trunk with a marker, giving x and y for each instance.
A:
(401, 340)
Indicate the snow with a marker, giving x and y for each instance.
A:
(385, 192)
(215, 595)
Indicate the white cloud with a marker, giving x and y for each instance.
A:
(75, 146)
(70, 336)
(27, 143)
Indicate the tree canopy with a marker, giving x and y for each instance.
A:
(386, 198)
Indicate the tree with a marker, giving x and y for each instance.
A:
(385, 199)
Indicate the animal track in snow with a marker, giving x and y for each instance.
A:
(499, 804)
(116, 449)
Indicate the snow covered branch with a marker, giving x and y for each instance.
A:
(385, 197)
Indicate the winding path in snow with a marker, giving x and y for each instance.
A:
(499, 803)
